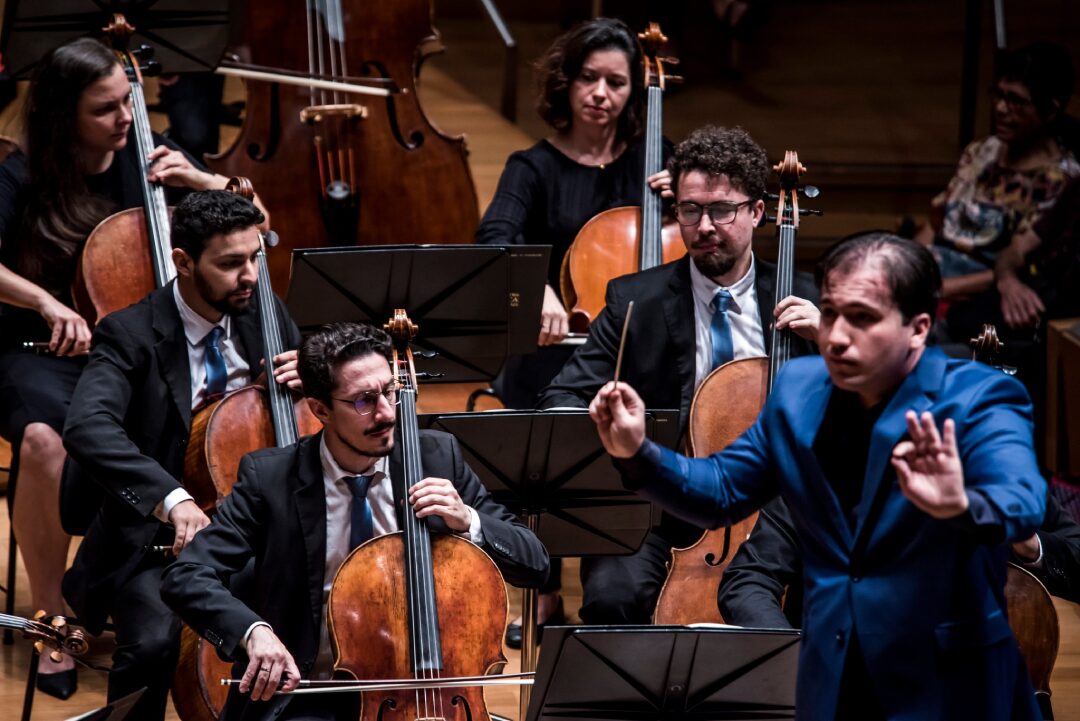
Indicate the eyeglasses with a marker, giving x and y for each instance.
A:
(365, 403)
(1015, 101)
(689, 213)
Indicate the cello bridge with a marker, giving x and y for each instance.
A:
(317, 113)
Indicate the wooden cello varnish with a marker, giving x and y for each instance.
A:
(725, 405)
(625, 240)
(412, 605)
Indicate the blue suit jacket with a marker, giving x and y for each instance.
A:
(924, 596)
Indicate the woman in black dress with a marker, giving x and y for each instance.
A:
(591, 92)
(79, 167)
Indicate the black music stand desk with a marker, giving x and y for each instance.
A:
(665, 673)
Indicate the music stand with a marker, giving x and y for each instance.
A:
(118, 710)
(665, 673)
(186, 35)
(474, 304)
(550, 468)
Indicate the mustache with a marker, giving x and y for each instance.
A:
(387, 425)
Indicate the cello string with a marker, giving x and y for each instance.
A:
(311, 48)
(418, 634)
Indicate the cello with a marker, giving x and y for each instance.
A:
(725, 405)
(620, 241)
(335, 171)
(451, 592)
(223, 432)
(128, 254)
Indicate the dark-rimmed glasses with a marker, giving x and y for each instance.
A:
(722, 213)
(365, 403)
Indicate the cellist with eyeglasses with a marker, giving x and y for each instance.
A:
(300, 511)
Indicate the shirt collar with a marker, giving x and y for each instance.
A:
(332, 470)
(195, 326)
(705, 288)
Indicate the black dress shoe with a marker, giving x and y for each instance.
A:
(513, 630)
(59, 685)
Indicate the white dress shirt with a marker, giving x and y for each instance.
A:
(238, 373)
(747, 335)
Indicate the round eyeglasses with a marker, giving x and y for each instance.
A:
(366, 403)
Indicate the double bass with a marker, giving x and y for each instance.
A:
(725, 405)
(625, 240)
(409, 605)
(339, 168)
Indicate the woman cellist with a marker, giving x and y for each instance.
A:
(591, 92)
(77, 169)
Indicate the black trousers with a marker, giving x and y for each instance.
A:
(624, 589)
(147, 641)
(857, 700)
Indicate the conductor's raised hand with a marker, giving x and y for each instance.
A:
(269, 664)
(619, 414)
(928, 467)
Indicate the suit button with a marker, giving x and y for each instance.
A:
(856, 579)
(839, 638)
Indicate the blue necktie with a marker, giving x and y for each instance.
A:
(362, 525)
(723, 349)
(216, 375)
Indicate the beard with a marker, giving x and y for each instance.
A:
(714, 265)
(226, 303)
(377, 451)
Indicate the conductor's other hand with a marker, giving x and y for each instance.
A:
(619, 414)
(928, 467)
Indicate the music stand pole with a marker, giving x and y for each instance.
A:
(528, 628)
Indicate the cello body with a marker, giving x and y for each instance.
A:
(379, 175)
(372, 632)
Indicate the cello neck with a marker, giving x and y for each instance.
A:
(425, 647)
(286, 431)
(787, 226)
(651, 251)
(156, 211)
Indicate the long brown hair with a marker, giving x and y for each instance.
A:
(61, 211)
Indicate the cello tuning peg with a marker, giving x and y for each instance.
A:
(425, 353)
(810, 211)
(766, 219)
(39, 646)
(677, 79)
(58, 622)
(670, 61)
(56, 656)
(429, 376)
(151, 68)
(271, 239)
(39, 615)
(143, 52)
(811, 191)
(772, 196)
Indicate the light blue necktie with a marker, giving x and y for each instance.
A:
(362, 526)
(216, 375)
(723, 349)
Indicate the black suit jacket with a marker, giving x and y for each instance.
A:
(660, 343)
(276, 514)
(128, 430)
(770, 562)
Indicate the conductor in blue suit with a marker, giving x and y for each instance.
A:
(905, 473)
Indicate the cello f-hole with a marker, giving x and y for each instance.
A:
(460, 700)
(374, 68)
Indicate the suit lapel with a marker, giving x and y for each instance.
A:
(397, 479)
(679, 316)
(915, 393)
(249, 333)
(311, 510)
(171, 350)
(765, 287)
